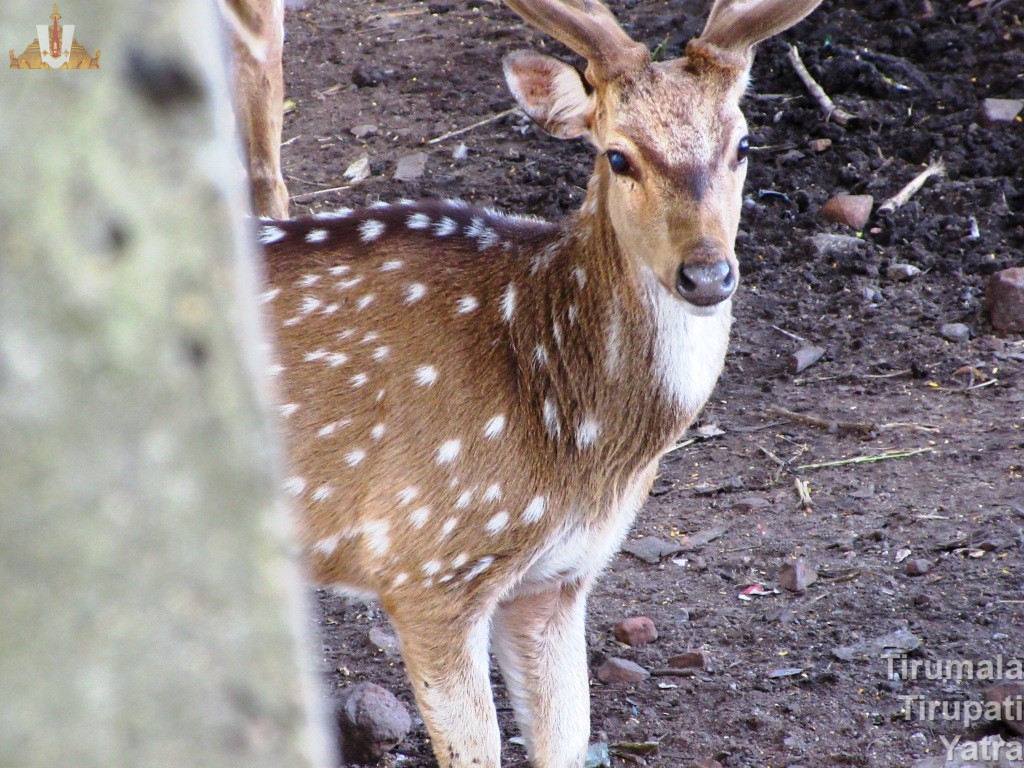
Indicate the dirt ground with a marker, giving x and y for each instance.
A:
(772, 692)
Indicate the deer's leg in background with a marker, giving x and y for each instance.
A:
(540, 645)
(447, 659)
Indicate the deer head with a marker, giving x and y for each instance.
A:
(672, 139)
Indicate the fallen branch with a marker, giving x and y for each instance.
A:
(817, 421)
(832, 112)
(900, 198)
(867, 459)
(477, 124)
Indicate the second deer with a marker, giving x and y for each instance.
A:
(476, 403)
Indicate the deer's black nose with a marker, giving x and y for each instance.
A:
(705, 285)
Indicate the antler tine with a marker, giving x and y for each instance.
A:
(739, 25)
(590, 29)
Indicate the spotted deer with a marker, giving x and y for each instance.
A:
(476, 402)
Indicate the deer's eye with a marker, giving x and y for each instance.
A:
(742, 149)
(618, 162)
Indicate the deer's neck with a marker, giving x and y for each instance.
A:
(612, 366)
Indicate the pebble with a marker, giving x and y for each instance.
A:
(917, 567)
(827, 244)
(688, 660)
(634, 631)
(902, 272)
(371, 721)
(363, 130)
(1000, 110)
(900, 641)
(851, 210)
(1004, 299)
(797, 576)
(1014, 691)
(460, 152)
(411, 167)
(804, 358)
(651, 549)
(819, 145)
(621, 671)
(384, 641)
(955, 331)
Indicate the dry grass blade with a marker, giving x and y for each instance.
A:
(867, 459)
(477, 124)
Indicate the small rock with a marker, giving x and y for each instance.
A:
(598, 756)
(819, 145)
(917, 567)
(358, 170)
(900, 641)
(363, 130)
(1000, 110)
(411, 167)
(804, 358)
(851, 210)
(460, 152)
(384, 641)
(902, 272)
(827, 244)
(371, 721)
(797, 576)
(1004, 299)
(955, 331)
(1010, 696)
(368, 77)
(637, 630)
(651, 549)
(621, 671)
(698, 539)
(688, 660)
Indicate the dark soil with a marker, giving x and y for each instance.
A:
(915, 73)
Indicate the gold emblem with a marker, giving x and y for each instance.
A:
(55, 47)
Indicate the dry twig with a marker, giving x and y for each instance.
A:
(477, 124)
(832, 112)
(867, 459)
(900, 198)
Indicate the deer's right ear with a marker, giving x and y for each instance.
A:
(551, 92)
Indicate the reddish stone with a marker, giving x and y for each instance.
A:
(688, 660)
(638, 630)
(621, 671)
(851, 210)
(1004, 299)
(797, 576)
(917, 567)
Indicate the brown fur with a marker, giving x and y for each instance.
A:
(474, 457)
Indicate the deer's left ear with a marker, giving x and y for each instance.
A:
(551, 92)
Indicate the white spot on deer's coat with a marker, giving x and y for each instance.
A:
(326, 546)
(348, 333)
(448, 451)
(309, 304)
(370, 230)
(460, 560)
(406, 495)
(418, 221)
(340, 213)
(365, 301)
(369, 337)
(587, 433)
(431, 567)
(448, 527)
(494, 425)
(414, 292)
(467, 304)
(267, 296)
(377, 536)
(294, 486)
(359, 380)
(446, 226)
(419, 516)
(354, 457)
(400, 579)
(493, 492)
(330, 309)
(322, 493)
(535, 509)
(488, 239)
(481, 565)
(540, 356)
(580, 276)
(464, 499)
(551, 417)
(377, 432)
(288, 409)
(271, 234)
(497, 523)
(508, 303)
(379, 205)
(342, 285)
(316, 354)
(391, 266)
(327, 430)
(337, 358)
(612, 342)
(425, 375)
(316, 235)
(340, 269)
